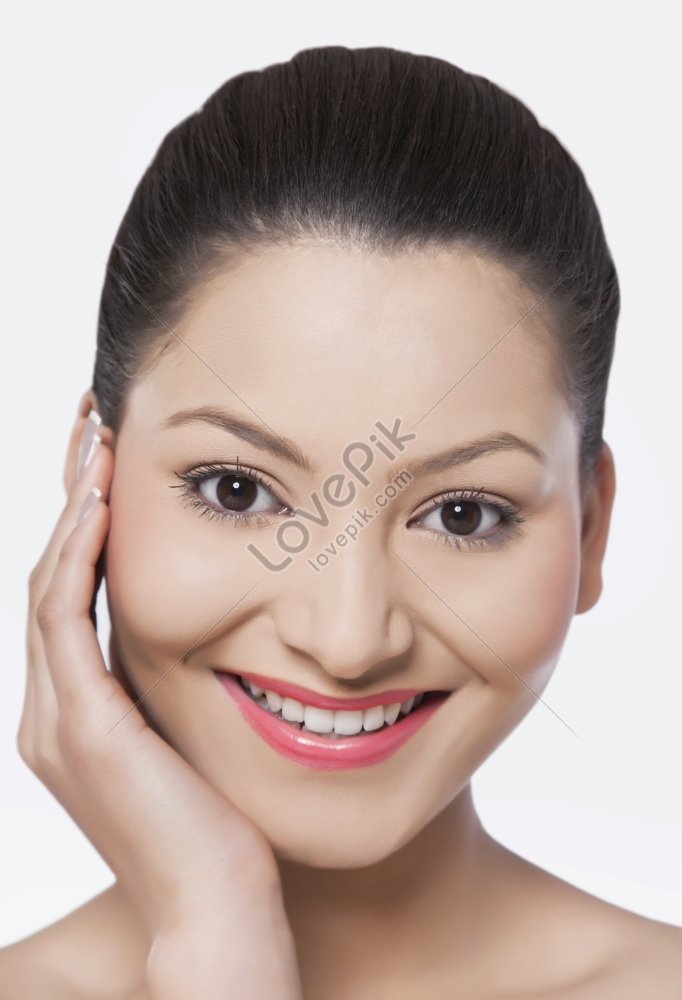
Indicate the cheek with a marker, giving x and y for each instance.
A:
(542, 604)
(171, 575)
(513, 608)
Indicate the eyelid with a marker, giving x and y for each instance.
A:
(474, 494)
(197, 474)
(228, 466)
(510, 522)
(508, 528)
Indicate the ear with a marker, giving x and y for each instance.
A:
(596, 519)
(87, 402)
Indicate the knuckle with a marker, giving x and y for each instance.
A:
(42, 760)
(25, 748)
(37, 756)
(49, 612)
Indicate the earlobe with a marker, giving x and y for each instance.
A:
(595, 530)
(87, 402)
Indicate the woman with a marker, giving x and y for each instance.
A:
(361, 308)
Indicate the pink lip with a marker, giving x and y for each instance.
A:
(316, 751)
(327, 701)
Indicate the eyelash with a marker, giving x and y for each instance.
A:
(511, 518)
(508, 528)
(191, 480)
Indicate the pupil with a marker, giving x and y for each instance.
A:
(236, 492)
(461, 516)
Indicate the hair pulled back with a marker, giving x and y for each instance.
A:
(372, 147)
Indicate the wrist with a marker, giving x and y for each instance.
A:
(209, 953)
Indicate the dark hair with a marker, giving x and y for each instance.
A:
(376, 147)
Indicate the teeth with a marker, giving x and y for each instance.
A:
(348, 723)
(391, 713)
(274, 700)
(373, 718)
(322, 720)
(318, 720)
(254, 689)
(292, 710)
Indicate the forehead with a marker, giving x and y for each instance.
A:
(316, 339)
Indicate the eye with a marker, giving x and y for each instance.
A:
(236, 492)
(466, 522)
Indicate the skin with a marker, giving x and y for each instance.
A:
(391, 884)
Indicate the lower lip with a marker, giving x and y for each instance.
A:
(325, 754)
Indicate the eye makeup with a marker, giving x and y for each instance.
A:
(457, 506)
(192, 496)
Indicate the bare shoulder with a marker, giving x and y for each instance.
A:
(649, 959)
(633, 956)
(93, 953)
(25, 973)
(586, 948)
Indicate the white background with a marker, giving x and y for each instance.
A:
(90, 91)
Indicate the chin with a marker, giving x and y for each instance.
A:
(331, 843)
(337, 854)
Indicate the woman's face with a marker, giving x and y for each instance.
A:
(331, 351)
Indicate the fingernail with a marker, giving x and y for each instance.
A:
(91, 499)
(89, 441)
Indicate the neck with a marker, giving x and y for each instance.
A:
(432, 895)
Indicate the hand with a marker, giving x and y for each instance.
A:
(202, 876)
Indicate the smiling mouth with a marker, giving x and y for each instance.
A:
(337, 724)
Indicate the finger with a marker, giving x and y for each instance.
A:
(98, 473)
(72, 651)
(27, 722)
(99, 576)
(40, 693)
(40, 702)
(87, 424)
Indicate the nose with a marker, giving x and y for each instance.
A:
(348, 617)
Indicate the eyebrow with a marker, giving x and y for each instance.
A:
(503, 441)
(243, 428)
(248, 430)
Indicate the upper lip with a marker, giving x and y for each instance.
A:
(327, 701)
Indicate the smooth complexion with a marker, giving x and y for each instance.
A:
(319, 343)
(390, 881)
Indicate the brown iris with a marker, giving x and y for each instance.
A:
(461, 516)
(236, 493)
